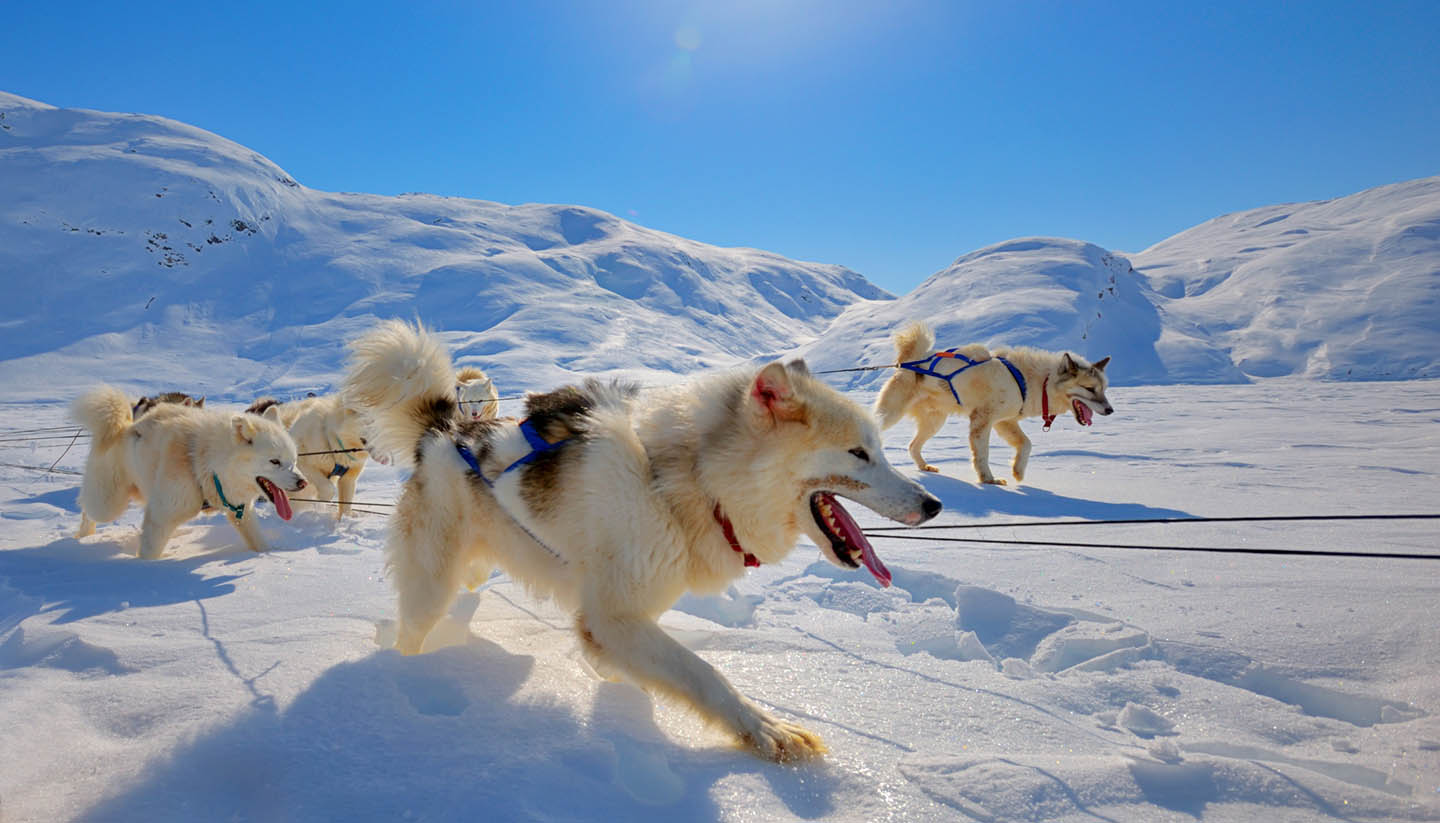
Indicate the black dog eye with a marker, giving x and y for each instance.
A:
(861, 454)
(274, 462)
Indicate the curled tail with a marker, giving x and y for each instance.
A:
(105, 413)
(913, 343)
(401, 378)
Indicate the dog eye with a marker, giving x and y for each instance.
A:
(861, 454)
(274, 462)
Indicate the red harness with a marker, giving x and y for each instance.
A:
(750, 560)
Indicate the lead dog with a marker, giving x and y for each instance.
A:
(999, 390)
(176, 460)
(615, 502)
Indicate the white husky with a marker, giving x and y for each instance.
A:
(616, 501)
(475, 393)
(994, 389)
(178, 459)
(330, 437)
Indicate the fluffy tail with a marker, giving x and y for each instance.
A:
(913, 343)
(105, 413)
(401, 378)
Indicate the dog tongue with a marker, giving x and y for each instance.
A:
(277, 496)
(850, 531)
(1082, 411)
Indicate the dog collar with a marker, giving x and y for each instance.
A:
(1045, 403)
(751, 561)
(238, 511)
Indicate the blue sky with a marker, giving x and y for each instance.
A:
(891, 137)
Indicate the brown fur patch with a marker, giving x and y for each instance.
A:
(836, 482)
(259, 406)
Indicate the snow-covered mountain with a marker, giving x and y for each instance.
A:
(179, 256)
(177, 245)
(1340, 289)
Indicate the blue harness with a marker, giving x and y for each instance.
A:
(538, 446)
(928, 367)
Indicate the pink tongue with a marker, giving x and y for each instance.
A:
(282, 503)
(850, 530)
(1082, 411)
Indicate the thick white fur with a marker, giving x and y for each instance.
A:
(989, 394)
(630, 524)
(166, 460)
(325, 424)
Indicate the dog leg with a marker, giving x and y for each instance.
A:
(636, 646)
(155, 530)
(427, 565)
(249, 529)
(323, 488)
(925, 428)
(346, 485)
(87, 526)
(1009, 430)
(980, 447)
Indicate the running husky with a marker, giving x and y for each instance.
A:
(330, 438)
(615, 502)
(996, 389)
(476, 394)
(178, 459)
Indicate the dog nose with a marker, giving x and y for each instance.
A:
(299, 484)
(931, 507)
(1108, 411)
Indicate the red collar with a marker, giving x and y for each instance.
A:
(1045, 403)
(725, 526)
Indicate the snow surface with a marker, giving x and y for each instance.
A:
(990, 683)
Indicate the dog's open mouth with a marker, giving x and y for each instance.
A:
(1083, 415)
(847, 542)
(277, 497)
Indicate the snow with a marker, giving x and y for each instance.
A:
(991, 682)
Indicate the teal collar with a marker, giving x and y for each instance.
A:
(239, 511)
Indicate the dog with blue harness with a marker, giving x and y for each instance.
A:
(995, 390)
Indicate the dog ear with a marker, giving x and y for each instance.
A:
(1102, 363)
(244, 426)
(774, 395)
(1067, 364)
(799, 366)
(272, 413)
(200, 402)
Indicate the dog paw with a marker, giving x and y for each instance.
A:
(783, 742)
(992, 481)
(929, 468)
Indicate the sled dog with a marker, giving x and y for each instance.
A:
(989, 393)
(615, 501)
(178, 459)
(145, 404)
(476, 394)
(324, 430)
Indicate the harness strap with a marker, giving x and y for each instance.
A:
(238, 511)
(928, 367)
(338, 470)
(751, 561)
(1045, 403)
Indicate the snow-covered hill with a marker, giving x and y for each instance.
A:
(1339, 289)
(1034, 291)
(168, 242)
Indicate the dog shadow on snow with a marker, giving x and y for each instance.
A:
(965, 499)
(443, 736)
(76, 579)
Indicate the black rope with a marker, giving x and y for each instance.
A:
(43, 470)
(496, 400)
(331, 451)
(1144, 547)
(338, 502)
(859, 368)
(43, 438)
(1261, 519)
(62, 454)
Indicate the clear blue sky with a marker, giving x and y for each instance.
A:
(889, 136)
